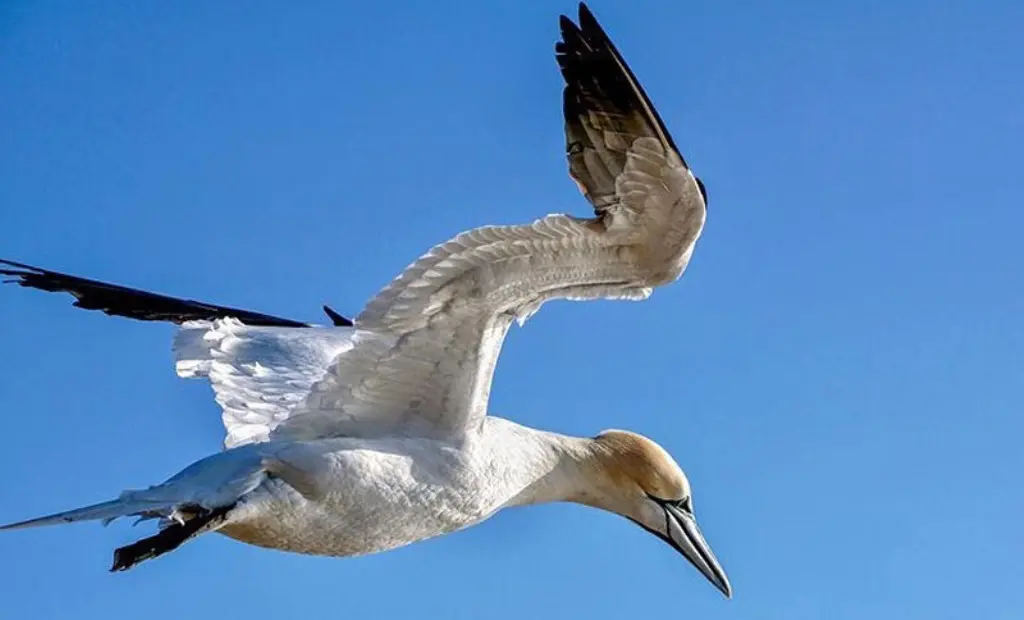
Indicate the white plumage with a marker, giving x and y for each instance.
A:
(349, 440)
(259, 374)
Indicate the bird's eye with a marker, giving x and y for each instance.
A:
(685, 504)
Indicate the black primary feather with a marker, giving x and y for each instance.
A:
(602, 100)
(116, 300)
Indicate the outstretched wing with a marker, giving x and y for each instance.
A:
(116, 300)
(424, 349)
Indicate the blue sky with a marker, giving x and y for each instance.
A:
(839, 371)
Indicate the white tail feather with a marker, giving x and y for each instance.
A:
(215, 482)
(106, 512)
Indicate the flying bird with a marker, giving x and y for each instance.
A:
(374, 433)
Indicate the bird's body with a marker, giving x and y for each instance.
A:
(375, 433)
(346, 496)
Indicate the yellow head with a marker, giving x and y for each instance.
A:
(636, 478)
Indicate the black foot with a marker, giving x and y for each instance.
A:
(169, 539)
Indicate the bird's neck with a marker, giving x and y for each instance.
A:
(548, 467)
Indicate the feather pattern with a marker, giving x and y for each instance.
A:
(420, 357)
(258, 374)
(424, 353)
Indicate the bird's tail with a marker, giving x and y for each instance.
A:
(176, 500)
(195, 501)
(179, 524)
(105, 511)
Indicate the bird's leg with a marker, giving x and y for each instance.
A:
(168, 539)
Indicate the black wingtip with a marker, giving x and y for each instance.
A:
(586, 15)
(587, 22)
(590, 61)
(19, 271)
(117, 300)
(29, 276)
(337, 319)
(18, 265)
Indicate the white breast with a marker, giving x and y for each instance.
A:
(360, 496)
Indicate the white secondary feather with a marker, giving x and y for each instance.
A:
(259, 374)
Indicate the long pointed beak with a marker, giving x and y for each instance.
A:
(686, 537)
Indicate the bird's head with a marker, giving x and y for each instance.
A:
(640, 481)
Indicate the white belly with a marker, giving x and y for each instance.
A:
(360, 503)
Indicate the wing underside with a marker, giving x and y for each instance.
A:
(426, 346)
(421, 355)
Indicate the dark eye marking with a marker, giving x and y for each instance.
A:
(685, 504)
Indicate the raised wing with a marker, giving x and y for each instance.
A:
(425, 347)
(606, 112)
(116, 300)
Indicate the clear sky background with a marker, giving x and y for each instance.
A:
(839, 370)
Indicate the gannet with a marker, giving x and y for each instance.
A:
(374, 433)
